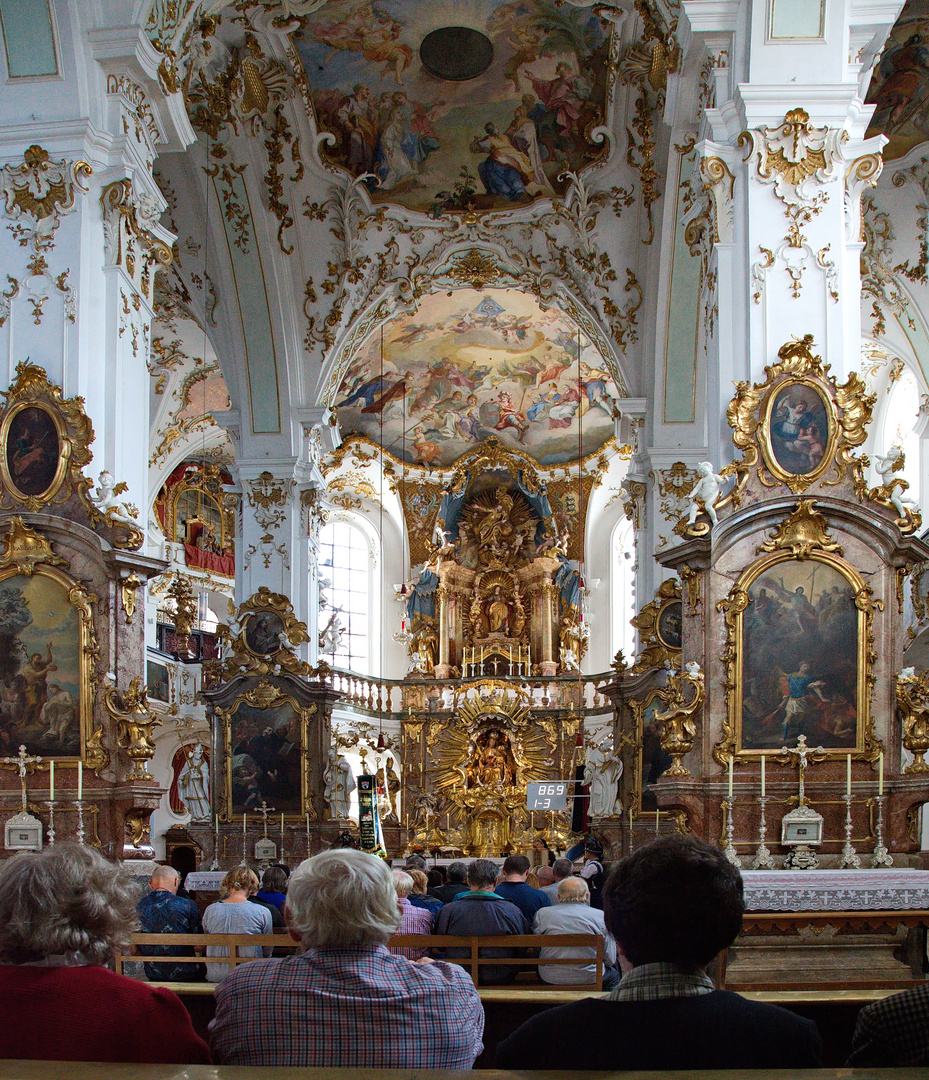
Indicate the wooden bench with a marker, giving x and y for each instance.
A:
(430, 942)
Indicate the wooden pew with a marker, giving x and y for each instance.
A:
(431, 942)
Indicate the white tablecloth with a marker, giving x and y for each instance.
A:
(836, 890)
(208, 880)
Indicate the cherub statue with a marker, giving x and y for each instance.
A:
(331, 636)
(705, 492)
(104, 498)
(886, 465)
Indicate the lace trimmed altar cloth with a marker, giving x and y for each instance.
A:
(836, 890)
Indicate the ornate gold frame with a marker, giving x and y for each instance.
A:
(30, 554)
(200, 483)
(849, 408)
(242, 657)
(639, 707)
(655, 651)
(803, 537)
(264, 695)
(32, 389)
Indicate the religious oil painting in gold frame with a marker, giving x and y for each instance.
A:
(265, 740)
(668, 627)
(33, 463)
(799, 655)
(46, 643)
(264, 632)
(651, 761)
(800, 429)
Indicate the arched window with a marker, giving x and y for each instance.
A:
(622, 588)
(900, 419)
(346, 561)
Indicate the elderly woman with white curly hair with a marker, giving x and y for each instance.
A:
(63, 913)
(346, 1001)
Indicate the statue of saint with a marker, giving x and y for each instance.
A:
(497, 611)
(491, 765)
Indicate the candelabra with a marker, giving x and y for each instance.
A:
(881, 856)
(214, 865)
(762, 859)
(80, 822)
(729, 849)
(51, 822)
(850, 860)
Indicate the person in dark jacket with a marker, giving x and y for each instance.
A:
(482, 911)
(456, 885)
(162, 911)
(671, 907)
(518, 891)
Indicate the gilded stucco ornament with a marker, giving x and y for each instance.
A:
(659, 626)
(263, 638)
(912, 696)
(683, 697)
(135, 724)
(799, 160)
(129, 221)
(37, 193)
(767, 419)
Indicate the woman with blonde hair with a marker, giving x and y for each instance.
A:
(233, 914)
(419, 896)
(64, 912)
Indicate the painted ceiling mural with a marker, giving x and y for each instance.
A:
(485, 113)
(900, 83)
(469, 365)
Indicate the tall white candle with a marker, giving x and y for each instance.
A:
(282, 827)
(880, 773)
(244, 823)
(80, 780)
(730, 776)
(848, 774)
(762, 775)
(51, 781)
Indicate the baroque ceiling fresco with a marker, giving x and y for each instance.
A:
(469, 365)
(481, 105)
(900, 83)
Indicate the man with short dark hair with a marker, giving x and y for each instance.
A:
(561, 869)
(415, 862)
(456, 885)
(482, 911)
(162, 911)
(671, 907)
(893, 1033)
(514, 887)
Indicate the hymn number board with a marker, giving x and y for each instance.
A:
(547, 796)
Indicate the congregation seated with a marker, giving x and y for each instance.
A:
(63, 912)
(560, 869)
(413, 920)
(162, 911)
(420, 896)
(482, 911)
(515, 888)
(671, 906)
(574, 915)
(273, 887)
(233, 914)
(347, 1001)
(456, 885)
(893, 1033)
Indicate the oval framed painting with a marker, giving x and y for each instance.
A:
(34, 454)
(668, 625)
(264, 632)
(799, 430)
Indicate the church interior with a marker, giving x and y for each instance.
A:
(433, 428)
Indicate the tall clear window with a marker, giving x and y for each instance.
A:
(345, 559)
(622, 605)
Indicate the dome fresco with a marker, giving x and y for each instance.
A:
(469, 365)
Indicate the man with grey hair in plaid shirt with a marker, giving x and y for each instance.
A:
(346, 1001)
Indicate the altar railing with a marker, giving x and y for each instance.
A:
(390, 697)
